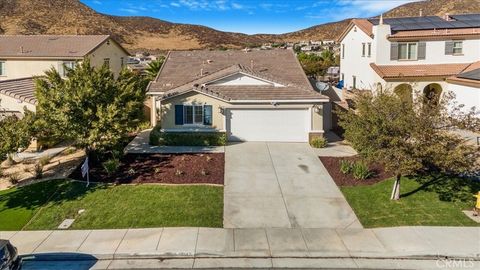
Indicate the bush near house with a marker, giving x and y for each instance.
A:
(158, 137)
(319, 142)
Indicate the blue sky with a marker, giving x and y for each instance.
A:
(247, 16)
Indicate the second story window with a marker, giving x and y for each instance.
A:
(343, 51)
(369, 51)
(2, 68)
(363, 49)
(122, 62)
(407, 51)
(457, 47)
(106, 62)
(63, 66)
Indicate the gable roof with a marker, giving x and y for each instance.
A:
(415, 71)
(22, 89)
(51, 46)
(362, 24)
(185, 71)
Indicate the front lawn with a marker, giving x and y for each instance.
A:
(109, 206)
(417, 206)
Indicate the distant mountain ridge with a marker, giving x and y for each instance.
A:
(138, 33)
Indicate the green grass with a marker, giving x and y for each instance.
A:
(107, 206)
(373, 206)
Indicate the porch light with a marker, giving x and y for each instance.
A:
(221, 109)
(317, 109)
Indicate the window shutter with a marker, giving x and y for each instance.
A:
(61, 69)
(422, 50)
(448, 47)
(393, 51)
(178, 114)
(207, 115)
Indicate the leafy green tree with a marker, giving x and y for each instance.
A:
(15, 133)
(90, 106)
(328, 58)
(312, 64)
(153, 68)
(411, 137)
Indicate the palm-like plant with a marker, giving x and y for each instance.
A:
(153, 68)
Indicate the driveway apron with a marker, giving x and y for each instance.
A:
(281, 185)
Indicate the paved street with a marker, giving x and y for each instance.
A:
(184, 247)
(281, 185)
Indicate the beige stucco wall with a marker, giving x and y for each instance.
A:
(168, 112)
(112, 51)
(11, 104)
(22, 68)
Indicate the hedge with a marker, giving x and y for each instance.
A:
(158, 137)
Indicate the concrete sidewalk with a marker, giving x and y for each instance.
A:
(140, 145)
(165, 243)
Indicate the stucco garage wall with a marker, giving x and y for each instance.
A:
(20, 68)
(12, 104)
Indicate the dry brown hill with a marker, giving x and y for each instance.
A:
(73, 17)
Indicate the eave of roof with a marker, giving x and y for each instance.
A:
(436, 34)
(387, 72)
(22, 89)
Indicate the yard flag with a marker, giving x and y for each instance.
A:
(85, 171)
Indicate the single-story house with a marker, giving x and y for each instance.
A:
(249, 95)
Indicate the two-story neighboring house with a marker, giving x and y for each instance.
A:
(22, 57)
(428, 54)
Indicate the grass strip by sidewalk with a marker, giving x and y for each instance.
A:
(373, 206)
(108, 206)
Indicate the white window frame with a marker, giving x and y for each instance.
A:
(194, 123)
(408, 51)
(3, 69)
(369, 50)
(363, 49)
(457, 47)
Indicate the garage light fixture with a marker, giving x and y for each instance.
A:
(221, 109)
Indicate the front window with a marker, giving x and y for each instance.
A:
(363, 49)
(193, 114)
(122, 62)
(407, 51)
(457, 47)
(343, 51)
(2, 68)
(369, 49)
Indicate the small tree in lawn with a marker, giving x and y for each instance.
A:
(410, 137)
(89, 106)
(15, 133)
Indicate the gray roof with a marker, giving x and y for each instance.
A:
(22, 89)
(185, 71)
(49, 46)
(471, 75)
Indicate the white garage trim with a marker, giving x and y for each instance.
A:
(268, 124)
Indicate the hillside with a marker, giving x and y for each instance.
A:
(135, 33)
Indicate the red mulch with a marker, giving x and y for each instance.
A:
(162, 168)
(333, 167)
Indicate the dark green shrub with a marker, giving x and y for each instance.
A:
(111, 166)
(318, 142)
(158, 137)
(38, 171)
(360, 170)
(346, 166)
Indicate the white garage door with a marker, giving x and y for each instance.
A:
(279, 125)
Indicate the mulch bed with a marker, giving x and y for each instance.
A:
(162, 168)
(333, 167)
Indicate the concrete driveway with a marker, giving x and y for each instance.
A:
(281, 185)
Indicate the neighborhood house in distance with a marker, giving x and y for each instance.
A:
(429, 54)
(249, 95)
(24, 57)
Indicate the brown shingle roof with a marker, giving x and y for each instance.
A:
(183, 70)
(363, 24)
(22, 89)
(48, 46)
(415, 71)
(435, 33)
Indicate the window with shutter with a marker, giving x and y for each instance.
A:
(448, 47)
(207, 115)
(363, 49)
(393, 51)
(369, 49)
(178, 114)
(422, 50)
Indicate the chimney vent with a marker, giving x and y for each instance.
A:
(251, 64)
(21, 50)
(446, 17)
(421, 13)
